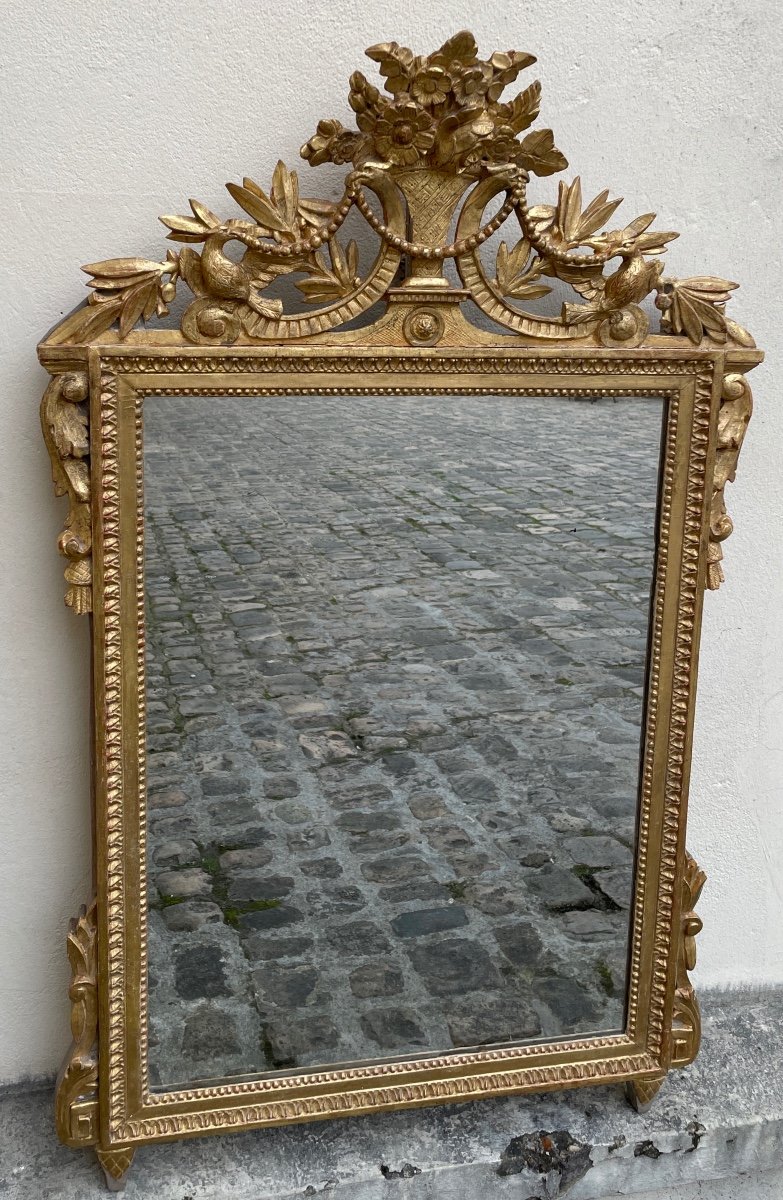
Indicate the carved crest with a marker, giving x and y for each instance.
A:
(441, 139)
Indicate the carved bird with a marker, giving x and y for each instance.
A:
(243, 280)
(634, 279)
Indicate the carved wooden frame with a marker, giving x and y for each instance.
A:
(234, 341)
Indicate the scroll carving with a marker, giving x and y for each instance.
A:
(735, 413)
(76, 1101)
(65, 423)
(686, 1021)
(440, 140)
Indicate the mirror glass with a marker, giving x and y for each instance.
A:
(396, 656)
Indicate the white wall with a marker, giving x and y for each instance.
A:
(114, 113)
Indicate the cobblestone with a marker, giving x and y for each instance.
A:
(395, 676)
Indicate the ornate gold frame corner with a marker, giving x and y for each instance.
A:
(436, 153)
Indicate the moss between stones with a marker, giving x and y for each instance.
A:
(232, 913)
(605, 976)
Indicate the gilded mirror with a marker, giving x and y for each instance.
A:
(393, 535)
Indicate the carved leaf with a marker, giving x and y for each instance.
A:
(461, 50)
(638, 226)
(352, 259)
(523, 109)
(538, 153)
(506, 66)
(122, 268)
(569, 208)
(78, 473)
(107, 284)
(597, 213)
(516, 276)
(204, 214)
(396, 64)
(316, 212)
(733, 421)
(133, 305)
(285, 193)
(97, 318)
(655, 241)
(332, 281)
(542, 217)
(70, 431)
(186, 229)
(697, 307)
(528, 291)
(255, 202)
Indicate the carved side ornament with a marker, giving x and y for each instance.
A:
(76, 1100)
(65, 423)
(735, 412)
(686, 1020)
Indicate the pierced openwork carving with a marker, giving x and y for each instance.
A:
(686, 1026)
(76, 1102)
(439, 142)
(65, 423)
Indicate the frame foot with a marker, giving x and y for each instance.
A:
(640, 1093)
(115, 1163)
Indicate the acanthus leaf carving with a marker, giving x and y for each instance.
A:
(65, 425)
(686, 1018)
(735, 412)
(76, 1099)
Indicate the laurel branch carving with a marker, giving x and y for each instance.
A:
(438, 140)
(65, 424)
(76, 1098)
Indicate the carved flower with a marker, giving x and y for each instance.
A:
(431, 85)
(319, 148)
(470, 85)
(403, 133)
(345, 146)
(502, 146)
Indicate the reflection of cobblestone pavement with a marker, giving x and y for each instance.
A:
(395, 682)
